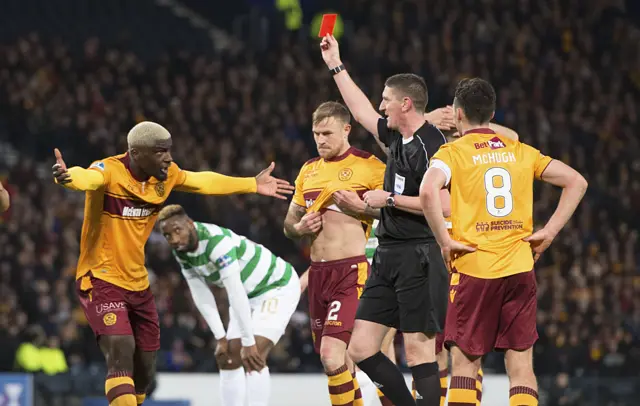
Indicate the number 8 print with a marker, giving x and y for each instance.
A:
(494, 192)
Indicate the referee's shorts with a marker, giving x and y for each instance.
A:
(407, 288)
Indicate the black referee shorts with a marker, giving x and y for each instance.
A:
(407, 288)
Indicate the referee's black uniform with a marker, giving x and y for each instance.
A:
(408, 285)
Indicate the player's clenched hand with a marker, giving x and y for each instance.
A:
(442, 118)
(376, 199)
(60, 173)
(270, 186)
(454, 249)
(251, 359)
(349, 201)
(222, 352)
(540, 241)
(310, 223)
(330, 51)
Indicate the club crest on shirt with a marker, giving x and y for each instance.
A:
(110, 319)
(159, 189)
(224, 261)
(345, 174)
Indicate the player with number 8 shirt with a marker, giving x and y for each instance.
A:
(493, 301)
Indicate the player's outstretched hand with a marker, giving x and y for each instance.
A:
(310, 223)
(349, 202)
(441, 118)
(540, 241)
(330, 51)
(270, 186)
(251, 359)
(60, 173)
(222, 352)
(454, 249)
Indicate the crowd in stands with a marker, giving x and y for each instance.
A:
(566, 80)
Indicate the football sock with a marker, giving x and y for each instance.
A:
(357, 393)
(384, 401)
(119, 389)
(427, 383)
(523, 396)
(479, 386)
(444, 385)
(140, 397)
(232, 387)
(388, 378)
(367, 388)
(341, 387)
(258, 387)
(462, 391)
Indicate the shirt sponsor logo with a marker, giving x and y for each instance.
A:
(316, 324)
(493, 143)
(110, 307)
(224, 261)
(129, 211)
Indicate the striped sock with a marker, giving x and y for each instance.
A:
(479, 386)
(462, 391)
(444, 385)
(523, 396)
(120, 390)
(341, 387)
(140, 397)
(357, 394)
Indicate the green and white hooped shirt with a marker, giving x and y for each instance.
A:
(372, 242)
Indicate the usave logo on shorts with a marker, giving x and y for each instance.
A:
(110, 307)
(110, 319)
(493, 143)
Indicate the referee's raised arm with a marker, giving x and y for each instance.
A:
(357, 102)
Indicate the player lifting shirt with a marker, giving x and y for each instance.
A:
(124, 194)
(493, 287)
(328, 210)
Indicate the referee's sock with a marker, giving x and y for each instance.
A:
(388, 378)
(427, 382)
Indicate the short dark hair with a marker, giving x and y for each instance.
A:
(477, 98)
(331, 109)
(411, 86)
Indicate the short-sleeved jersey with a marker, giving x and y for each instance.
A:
(118, 219)
(491, 183)
(221, 251)
(407, 163)
(319, 179)
(372, 242)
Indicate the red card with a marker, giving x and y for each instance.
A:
(328, 22)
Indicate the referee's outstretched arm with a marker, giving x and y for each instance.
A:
(357, 102)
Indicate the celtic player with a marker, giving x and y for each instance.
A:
(263, 292)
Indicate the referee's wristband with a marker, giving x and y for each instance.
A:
(338, 69)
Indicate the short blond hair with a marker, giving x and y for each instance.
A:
(147, 134)
(331, 109)
(170, 211)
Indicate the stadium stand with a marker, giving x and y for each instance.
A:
(567, 75)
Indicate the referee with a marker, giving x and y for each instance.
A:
(408, 285)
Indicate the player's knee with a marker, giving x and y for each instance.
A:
(519, 366)
(118, 352)
(419, 348)
(332, 353)
(144, 370)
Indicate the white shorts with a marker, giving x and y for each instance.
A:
(270, 312)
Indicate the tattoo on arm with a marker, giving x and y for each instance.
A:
(295, 213)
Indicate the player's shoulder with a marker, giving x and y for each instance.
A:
(431, 136)
(311, 162)
(366, 157)
(109, 163)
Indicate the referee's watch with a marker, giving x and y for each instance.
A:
(391, 200)
(337, 69)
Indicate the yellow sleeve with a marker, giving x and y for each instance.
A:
(85, 179)
(212, 183)
(377, 174)
(298, 196)
(540, 164)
